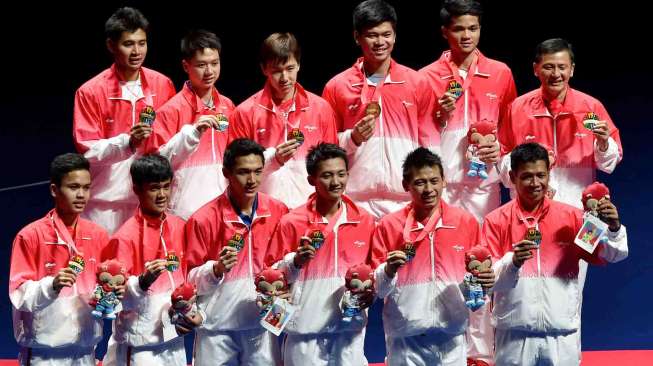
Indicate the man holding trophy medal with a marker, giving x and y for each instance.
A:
(227, 241)
(383, 112)
(192, 129)
(535, 239)
(113, 116)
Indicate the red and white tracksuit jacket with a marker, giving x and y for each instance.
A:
(140, 240)
(230, 301)
(424, 296)
(42, 319)
(577, 154)
(258, 119)
(406, 122)
(318, 286)
(102, 120)
(488, 90)
(542, 296)
(197, 161)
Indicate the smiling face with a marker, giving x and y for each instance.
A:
(462, 34)
(554, 71)
(377, 43)
(531, 180)
(330, 180)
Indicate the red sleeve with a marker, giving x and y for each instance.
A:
(614, 131)
(167, 124)
(241, 126)
(504, 133)
(329, 121)
(329, 95)
(491, 237)
(23, 262)
(87, 121)
(428, 133)
(509, 95)
(379, 250)
(370, 227)
(283, 241)
(197, 244)
(121, 249)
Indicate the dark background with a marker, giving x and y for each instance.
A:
(49, 50)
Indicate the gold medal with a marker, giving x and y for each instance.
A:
(409, 249)
(373, 108)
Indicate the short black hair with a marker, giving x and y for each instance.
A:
(278, 48)
(321, 152)
(151, 168)
(241, 147)
(66, 163)
(371, 13)
(125, 20)
(457, 8)
(198, 40)
(553, 45)
(528, 153)
(419, 158)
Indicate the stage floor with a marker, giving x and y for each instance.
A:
(591, 358)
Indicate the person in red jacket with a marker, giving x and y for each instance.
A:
(52, 274)
(227, 240)
(108, 123)
(419, 254)
(470, 88)
(192, 128)
(574, 125)
(318, 274)
(537, 305)
(151, 247)
(286, 119)
(384, 110)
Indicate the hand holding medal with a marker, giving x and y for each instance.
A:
(143, 129)
(76, 263)
(295, 134)
(226, 261)
(305, 252)
(147, 116)
(172, 261)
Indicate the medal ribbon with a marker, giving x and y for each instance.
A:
(428, 228)
(365, 91)
(328, 230)
(456, 73)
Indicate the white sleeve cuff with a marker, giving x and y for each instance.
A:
(47, 289)
(346, 142)
(384, 284)
(507, 274)
(204, 278)
(607, 160)
(616, 248)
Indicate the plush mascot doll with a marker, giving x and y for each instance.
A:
(269, 283)
(479, 133)
(110, 275)
(183, 300)
(359, 281)
(476, 259)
